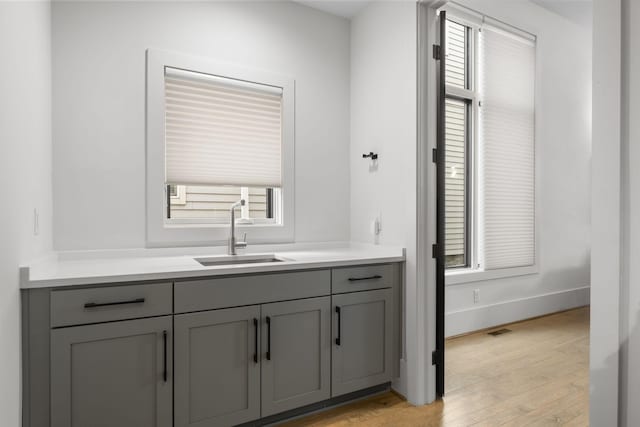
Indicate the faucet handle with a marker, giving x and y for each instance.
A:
(244, 238)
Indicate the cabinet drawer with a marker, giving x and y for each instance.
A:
(92, 305)
(351, 279)
(209, 294)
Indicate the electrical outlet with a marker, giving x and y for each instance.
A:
(36, 222)
(476, 296)
(376, 226)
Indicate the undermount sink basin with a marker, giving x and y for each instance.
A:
(238, 259)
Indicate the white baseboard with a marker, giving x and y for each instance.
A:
(487, 316)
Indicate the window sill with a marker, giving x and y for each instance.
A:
(474, 275)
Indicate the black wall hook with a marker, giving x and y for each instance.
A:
(371, 154)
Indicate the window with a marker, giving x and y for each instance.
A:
(490, 198)
(220, 132)
(456, 183)
(457, 55)
(217, 133)
(460, 97)
(202, 202)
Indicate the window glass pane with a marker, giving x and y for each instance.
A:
(456, 50)
(214, 202)
(456, 185)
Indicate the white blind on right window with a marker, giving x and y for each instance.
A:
(507, 149)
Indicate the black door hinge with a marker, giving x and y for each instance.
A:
(434, 250)
(435, 155)
(437, 52)
(435, 357)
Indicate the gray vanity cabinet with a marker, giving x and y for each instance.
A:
(209, 351)
(296, 351)
(362, 340)
(217, 365)
(112, 374)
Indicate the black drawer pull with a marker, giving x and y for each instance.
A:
(268, 338)
(164, 349)
(355, 279)
(106, 304)
(255, 338)
(339, 326)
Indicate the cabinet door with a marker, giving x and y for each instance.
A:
(112, 374)
(217, 380)
(362, 340)
(296, 354)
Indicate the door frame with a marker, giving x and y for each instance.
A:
(439, 159)
(427, 216)
(608, 352)
(606, 335)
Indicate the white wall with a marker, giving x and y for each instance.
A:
(25, 172)
(99, 106)
(383, 120)
(563, 138)
(630, 285)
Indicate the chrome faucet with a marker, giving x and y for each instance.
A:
(233, 244)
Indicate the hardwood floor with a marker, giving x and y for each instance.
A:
(535, 375)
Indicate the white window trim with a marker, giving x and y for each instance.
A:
(476, 273)
(159, 233)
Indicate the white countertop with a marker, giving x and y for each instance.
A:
(94, 267)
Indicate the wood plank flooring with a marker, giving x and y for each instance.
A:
(535, 375)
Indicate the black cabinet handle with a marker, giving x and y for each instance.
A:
(339, 325)
(355, 279)
(164, 349)
(255, 340)
(268, 338)
(105, 304)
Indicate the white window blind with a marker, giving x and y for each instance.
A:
(221, 131)
(455, 180)
(507, 149)
(456, 50)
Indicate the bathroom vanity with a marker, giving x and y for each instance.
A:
(207, 346)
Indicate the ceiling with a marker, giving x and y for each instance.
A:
(577, 11)
(345, 8)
